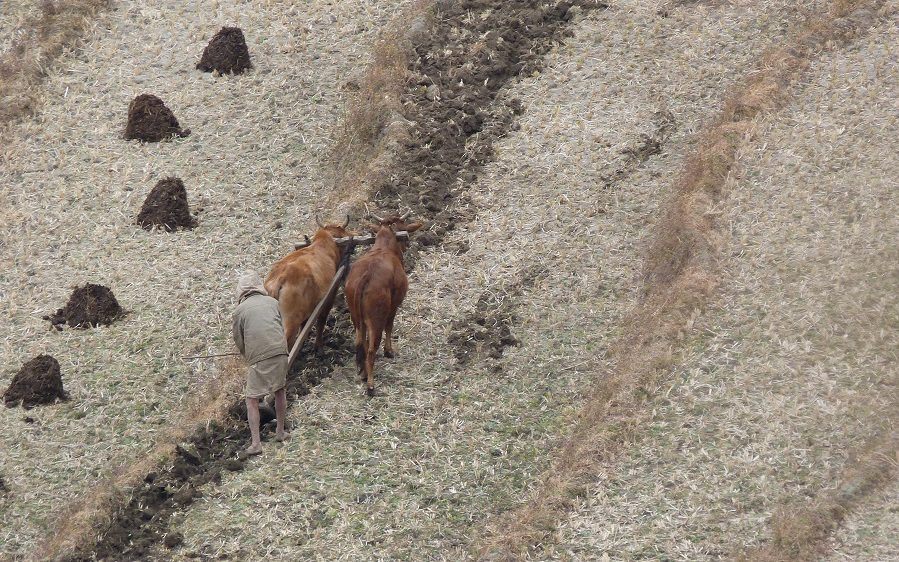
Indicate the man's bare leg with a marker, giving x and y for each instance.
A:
(255, 447)
(281, 413)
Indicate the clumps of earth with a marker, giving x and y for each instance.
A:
(88, 306)
(487, 330)
(226, 53)
(138, 526)
(39, 381)
(166, 207)
(149, 120)
(484, 332)
(238, 411)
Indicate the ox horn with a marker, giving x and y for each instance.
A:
(406, 216)
(347, 222)
(377, 218)
(318, 221)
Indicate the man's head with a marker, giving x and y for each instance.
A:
(249, 283)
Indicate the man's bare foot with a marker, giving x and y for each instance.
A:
(285, 436)
(253, 450)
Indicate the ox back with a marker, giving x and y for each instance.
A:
(375, 289)
(301, 279)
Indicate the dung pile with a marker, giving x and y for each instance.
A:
(38, 382)
(88, 306)
(149, 120)
(226, 52)
(166, 207)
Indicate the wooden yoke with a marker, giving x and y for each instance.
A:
(366, 240)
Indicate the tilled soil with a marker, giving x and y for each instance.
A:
(227, 52)
(487, 331)
(39, 381)
(209, 453)
(149, 120)
(166, 207)
(144, 522)
(88, 306)
(459, 72)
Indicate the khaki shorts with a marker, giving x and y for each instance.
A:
(266, 376)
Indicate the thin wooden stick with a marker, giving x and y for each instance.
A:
(210, 356)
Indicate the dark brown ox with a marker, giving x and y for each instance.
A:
(301, 279)
(375, 289)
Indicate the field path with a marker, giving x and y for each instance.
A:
(869, 535)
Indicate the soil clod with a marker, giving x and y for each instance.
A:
(173, 540)
(39, 381)
(88, 307)
(149, 120)
(226, 53)
(166, 207)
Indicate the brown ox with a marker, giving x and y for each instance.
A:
(375, 289)
(302, 278)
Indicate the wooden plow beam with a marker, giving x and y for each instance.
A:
(307, 329)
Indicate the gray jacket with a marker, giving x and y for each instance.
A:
(257, 327)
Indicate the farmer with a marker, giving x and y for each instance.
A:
(259, 335)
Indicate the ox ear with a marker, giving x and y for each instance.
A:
(413, 227)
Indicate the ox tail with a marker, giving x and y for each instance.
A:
(359, 321)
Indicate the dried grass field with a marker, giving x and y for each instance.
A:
(71, 188)
(767, 430)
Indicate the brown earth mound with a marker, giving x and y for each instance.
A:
(226, 52)
(149, 120)
(166, 207)
(38, 382)
(88, 306)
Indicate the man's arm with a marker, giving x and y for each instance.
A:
(237, 331)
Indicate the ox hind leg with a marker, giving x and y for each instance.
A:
(373, 337)
(360, 351)
(288, 303)
(291, 331)
(397, 294)
(320, 325)
(388, 336)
